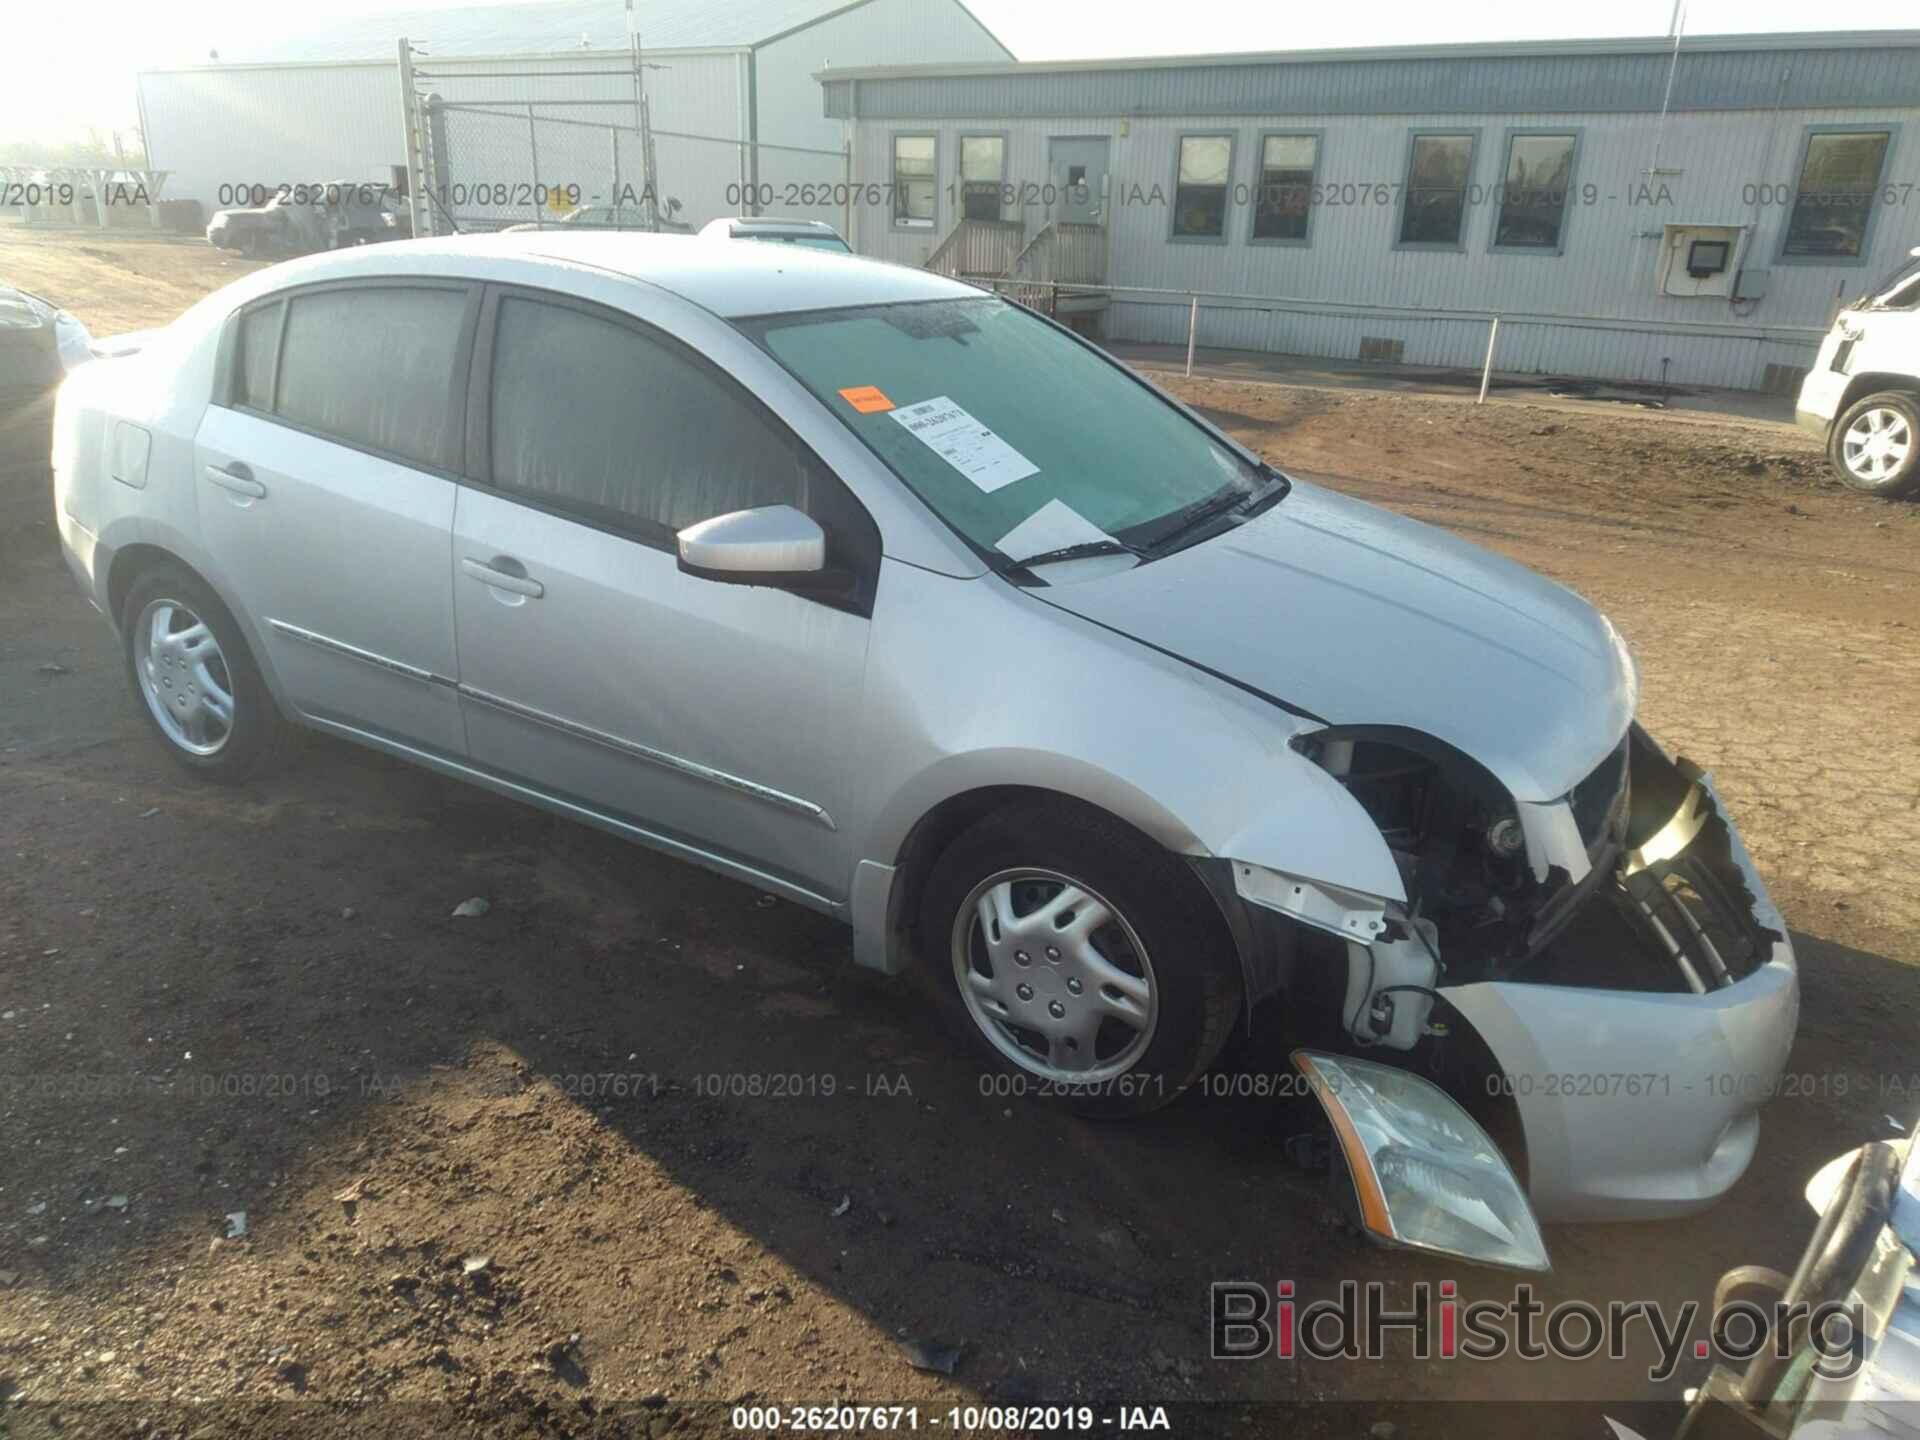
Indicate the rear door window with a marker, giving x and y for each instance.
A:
(373, 366)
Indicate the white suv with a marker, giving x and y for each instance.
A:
(1862, 396)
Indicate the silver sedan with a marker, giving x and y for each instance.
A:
(901, 602)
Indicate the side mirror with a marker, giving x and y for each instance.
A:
(771, 545)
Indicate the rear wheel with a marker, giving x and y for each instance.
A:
(1875, 445)
(1084, 962)
(194, 678)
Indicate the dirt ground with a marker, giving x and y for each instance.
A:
(115, 282)
(258, 1002)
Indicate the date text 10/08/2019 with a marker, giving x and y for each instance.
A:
(962, 1419)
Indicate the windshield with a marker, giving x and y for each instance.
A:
(1018, 436)
(1898, 289)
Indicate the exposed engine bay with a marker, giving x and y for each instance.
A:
(1635, 853)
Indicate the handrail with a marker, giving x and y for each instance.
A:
(974, 247)
(936, 261)
(1062, 252)
(1362, 310)
(1044, 235)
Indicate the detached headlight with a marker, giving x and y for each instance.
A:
(1426, 1175)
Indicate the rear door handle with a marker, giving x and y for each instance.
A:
(237, 478)
(501, 579)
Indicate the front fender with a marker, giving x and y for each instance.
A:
(1020, 693)
(1024, 694)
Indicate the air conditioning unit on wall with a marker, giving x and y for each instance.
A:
(1700, 260)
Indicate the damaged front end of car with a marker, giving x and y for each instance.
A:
(1629, 986)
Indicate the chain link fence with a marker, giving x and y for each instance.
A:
(487, 165)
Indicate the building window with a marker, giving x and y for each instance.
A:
(1533, 192)
(1833, 201)
(1433, 211)
(983, 175)
(913, 181)
(1283, 199)
(1200, 187)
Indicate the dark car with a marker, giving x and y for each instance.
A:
(39, 344)
(301, 218)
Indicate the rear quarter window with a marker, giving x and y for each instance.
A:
(259, 340)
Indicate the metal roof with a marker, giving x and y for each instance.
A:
(1714, 72)
(1488, 49)
(539, 27)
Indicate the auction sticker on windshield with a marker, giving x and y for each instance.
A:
(1054, 526)
(964, 443)
(867, 399)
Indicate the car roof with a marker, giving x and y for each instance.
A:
(729, 280)
(745, 227)
(774, 222)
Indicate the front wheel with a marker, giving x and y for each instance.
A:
(1876, 444)
(1084, 962)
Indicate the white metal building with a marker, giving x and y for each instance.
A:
(1629, 208)
(724, 81)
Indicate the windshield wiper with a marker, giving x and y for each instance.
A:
(1083, 550)
(1221, 502)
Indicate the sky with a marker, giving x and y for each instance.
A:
(105, 42)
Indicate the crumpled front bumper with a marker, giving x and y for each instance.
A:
(1636, 1104)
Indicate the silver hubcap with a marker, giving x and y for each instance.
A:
(1877, 443)
(184, 677)
(1054, 976)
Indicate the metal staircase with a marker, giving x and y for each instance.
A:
(998, 255)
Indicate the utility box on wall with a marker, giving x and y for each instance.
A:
(1700, 259)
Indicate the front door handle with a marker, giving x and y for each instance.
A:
(237, 478)
(492, 573)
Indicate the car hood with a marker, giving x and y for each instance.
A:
(1361, 617)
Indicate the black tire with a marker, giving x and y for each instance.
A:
(1901, 479)
(1195, 975)
(257, 732)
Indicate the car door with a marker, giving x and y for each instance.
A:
(719, 719)
(325, 493)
